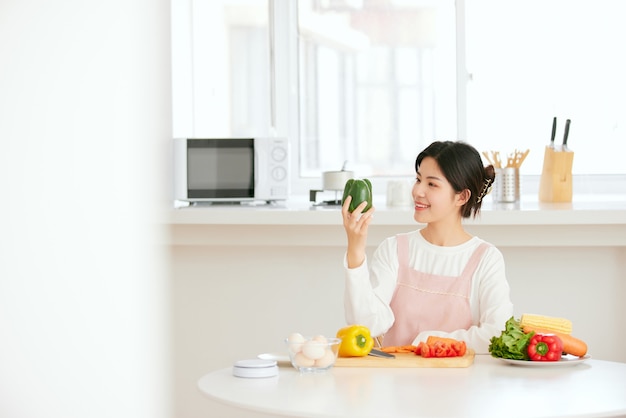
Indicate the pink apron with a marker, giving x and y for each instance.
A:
(426, 302)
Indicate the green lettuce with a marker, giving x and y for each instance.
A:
(512, 342)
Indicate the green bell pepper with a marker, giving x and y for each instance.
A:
(360, 190)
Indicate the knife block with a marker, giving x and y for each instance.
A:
(556, 176)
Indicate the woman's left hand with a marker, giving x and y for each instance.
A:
(356, 224)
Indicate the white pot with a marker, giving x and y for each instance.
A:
(336, 180)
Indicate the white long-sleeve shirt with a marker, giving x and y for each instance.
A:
(370, 287)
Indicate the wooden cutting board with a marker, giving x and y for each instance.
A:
(406, 360)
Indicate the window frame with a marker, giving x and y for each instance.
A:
(285, 97)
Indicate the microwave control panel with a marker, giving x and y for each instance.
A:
(272, 169)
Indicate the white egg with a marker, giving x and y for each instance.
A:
(320, 338)
(327, 360)
(303, 361)
(295, 340)
(314, 349)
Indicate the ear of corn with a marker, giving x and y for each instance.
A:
(549, 323)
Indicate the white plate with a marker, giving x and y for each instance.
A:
(566, 360)
(280, 358)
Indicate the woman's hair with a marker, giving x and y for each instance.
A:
(463, 168)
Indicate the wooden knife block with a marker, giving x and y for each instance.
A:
(556, 177)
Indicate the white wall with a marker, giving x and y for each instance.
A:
(85, 119)
(233, 302)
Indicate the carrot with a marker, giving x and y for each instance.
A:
(433, 339)
(399, 349)
(571, 345)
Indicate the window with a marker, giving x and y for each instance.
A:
(221, 68)
(372, 82)
(377, 83)
(533, 60)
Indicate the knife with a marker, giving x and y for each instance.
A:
(378, 353)
(566, 134)
(553, 132)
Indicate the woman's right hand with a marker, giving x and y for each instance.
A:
(356, 226)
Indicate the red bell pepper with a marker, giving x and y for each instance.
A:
(545, 347)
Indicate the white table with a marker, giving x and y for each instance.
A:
(489, 388)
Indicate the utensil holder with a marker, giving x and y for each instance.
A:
(556, 176)
(507, 185)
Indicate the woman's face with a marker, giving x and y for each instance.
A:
(434, 198)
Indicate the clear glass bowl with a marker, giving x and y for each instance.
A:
(313, 355)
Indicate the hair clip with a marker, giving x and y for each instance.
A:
(485, 191)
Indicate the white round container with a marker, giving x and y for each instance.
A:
(255, 368)
(336, 180)
(399, 193)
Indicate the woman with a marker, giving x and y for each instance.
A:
(438, 280)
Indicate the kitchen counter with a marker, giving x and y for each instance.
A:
(600, 210)
(488, 388)
(594, 220)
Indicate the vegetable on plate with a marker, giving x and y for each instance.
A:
(562, 325)
(356, 341)
(545, 347)
(571, 344)
(512, 342)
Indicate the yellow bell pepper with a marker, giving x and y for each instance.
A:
(356, 341)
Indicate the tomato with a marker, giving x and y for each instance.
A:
(439, 348)
(424, 350)
(460, 348)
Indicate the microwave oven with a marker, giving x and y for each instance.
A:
(231, 169)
